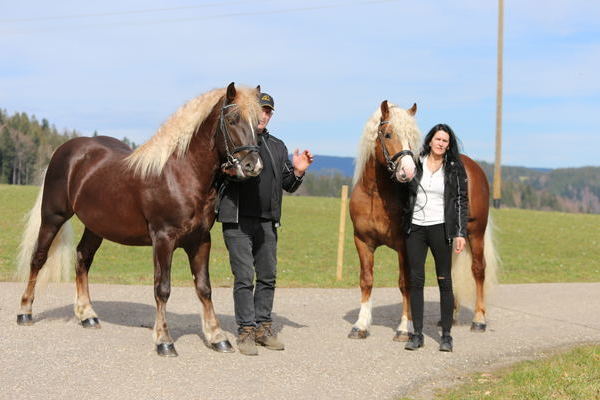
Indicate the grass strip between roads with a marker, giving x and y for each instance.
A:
(535, 246)
(567, 376)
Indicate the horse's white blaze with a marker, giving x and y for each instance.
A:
(259, 162)
(364, 316)
(252, 129)
(407, 163)
(405, 325)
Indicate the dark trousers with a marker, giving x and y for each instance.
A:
(418, 241)
(252, 246)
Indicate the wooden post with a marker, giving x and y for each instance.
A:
(341, 232)
(497, 194)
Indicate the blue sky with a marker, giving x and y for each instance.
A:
(122, 68)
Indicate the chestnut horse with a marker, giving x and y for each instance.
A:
(386, 157)
(160, 195)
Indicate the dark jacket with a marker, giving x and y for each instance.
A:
(456, 199)
(283, 178)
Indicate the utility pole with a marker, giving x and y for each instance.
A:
(497, 196)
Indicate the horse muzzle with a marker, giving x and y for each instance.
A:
(248, 166)
(405, 170)
(251, 165)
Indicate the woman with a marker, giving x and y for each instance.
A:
(436, 214)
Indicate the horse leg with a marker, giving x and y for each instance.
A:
(87, 247)
(360, 329)
(478, 269)
(198, 255)
(49, 228)
(405, 327)
(163, 247)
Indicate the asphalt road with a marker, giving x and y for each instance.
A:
(57, 359)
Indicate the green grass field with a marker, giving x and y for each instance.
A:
(568, 376)
(534, 246)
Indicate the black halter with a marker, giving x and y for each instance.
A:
(231, 160)
(391, 162)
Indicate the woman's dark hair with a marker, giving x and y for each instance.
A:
(453, 152)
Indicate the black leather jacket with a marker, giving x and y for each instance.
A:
(456, 199)
(227, 206)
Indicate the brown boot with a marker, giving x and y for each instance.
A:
(246, 341)
(266, 337)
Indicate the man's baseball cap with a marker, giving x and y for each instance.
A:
(267, 101)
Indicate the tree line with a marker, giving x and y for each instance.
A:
(26, 145)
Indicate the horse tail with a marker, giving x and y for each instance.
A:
(491, 256)
(60, 259)
(463, 282)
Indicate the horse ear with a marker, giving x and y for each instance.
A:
(258, 89)
(413, 110)
(231, 92)
(385, 111)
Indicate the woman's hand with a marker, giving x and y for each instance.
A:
(459, 244)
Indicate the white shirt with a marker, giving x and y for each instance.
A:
(429, 206)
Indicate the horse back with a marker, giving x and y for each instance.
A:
(89, 177)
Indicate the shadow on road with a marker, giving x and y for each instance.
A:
(389, 316)
(137, 315)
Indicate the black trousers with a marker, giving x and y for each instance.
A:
(418, 241)
(252, 246)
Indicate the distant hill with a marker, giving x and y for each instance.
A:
(563, 189)
(330, 165)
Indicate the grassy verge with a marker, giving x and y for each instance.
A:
(573, 375)
(535, 247)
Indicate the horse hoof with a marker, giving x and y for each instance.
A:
(24, 319)
(166, 350)
(222, 347)
(478, 327)
(91, 323)
(401, 336)
(356, 333)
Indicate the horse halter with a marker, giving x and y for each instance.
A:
(231, 160)
(391, 162)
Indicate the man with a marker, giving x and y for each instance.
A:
(250, 212)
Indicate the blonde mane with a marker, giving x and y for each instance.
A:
(403, 124)
(174, 136)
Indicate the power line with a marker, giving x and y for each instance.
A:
(188, 19)
(116, 13)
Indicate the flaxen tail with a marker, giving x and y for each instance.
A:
(462, 277)
(60, 255)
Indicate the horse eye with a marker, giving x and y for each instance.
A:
(387, 135)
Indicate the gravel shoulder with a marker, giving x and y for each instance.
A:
(55, 358)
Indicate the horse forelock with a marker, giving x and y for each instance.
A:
(175, 134)
(403, 125)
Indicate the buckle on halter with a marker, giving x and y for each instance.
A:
(231, 162)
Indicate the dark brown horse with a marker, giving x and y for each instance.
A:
(161, 195)
(390, 138)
